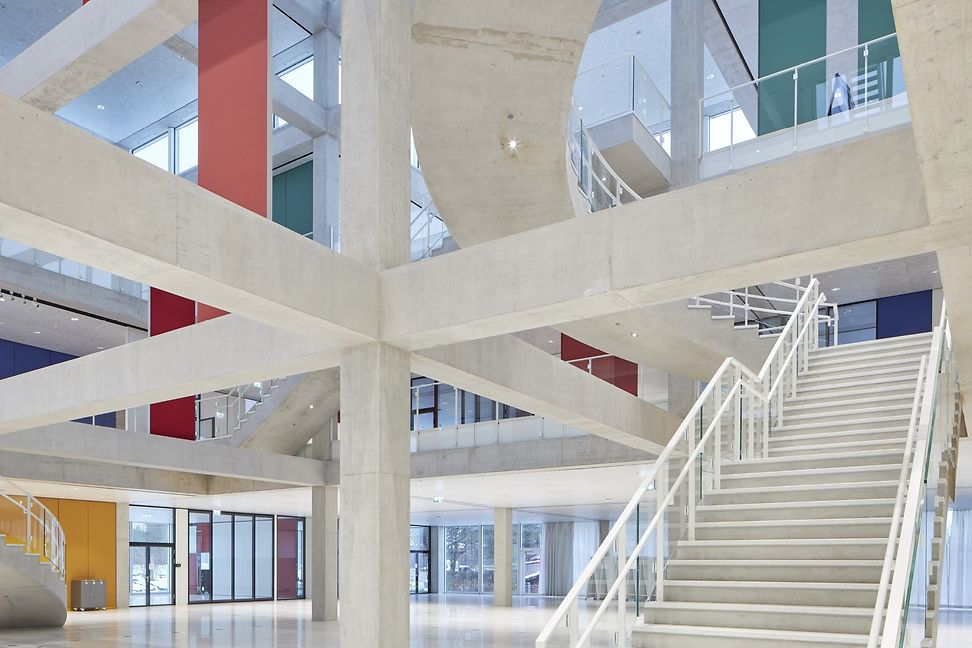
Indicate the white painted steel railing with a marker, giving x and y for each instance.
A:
(601, 187)
(909, 561)
(221, 414)
(428, 231)
(25, 522)
(753, 307)
(730, 421)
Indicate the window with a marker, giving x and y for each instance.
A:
(290, 558)
(151, 554)
(858, 322)
(419, 559)
(155, 152)
(463, 562)
(187, 146)
(301, 77)
(728, 127)
(230, 557)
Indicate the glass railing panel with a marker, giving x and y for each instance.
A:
(13, 520)
(650, 106)
(605, 92)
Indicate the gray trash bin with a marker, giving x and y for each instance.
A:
(88, 594)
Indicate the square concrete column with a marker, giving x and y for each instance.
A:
(687, 86)
(375, 460)
(122, 565)
(327, 148)
(324, 559)
(503, 557)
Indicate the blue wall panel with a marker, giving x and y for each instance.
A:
(904, 314)
(6, 359)
(27, 358)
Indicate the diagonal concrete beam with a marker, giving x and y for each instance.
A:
(514, 372)
(933, 37)
(82, 442)
(97, 40)
(124, 215)
(229, 350)
(741, 229)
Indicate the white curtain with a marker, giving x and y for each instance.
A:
(558, 557)
(957, 585)
(587, 536)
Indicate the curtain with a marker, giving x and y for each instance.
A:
(957, 585)
(558, 558)
(587, 537)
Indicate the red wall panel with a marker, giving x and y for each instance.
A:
(619, 372)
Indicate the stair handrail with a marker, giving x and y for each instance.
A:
(742, 379)
(51, 544)
(906, 552)
(903, 481)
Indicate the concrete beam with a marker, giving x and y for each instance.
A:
(57, 288)
(301, 112)
(212, 355)
(514, 372)
(312, 15)
(82, 442)
(743, 229)
(97, 40)
(156, 228)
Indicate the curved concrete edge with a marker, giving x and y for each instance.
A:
(483, 75)
(31, 593)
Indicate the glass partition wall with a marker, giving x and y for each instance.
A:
(230, 557)
(290, 558)
(151, 555)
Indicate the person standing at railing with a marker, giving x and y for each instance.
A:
(840, 98)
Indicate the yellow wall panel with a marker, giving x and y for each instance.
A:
(89, 530)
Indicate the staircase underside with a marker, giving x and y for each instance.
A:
(31, 593)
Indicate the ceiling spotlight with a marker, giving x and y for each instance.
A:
(2, 298)
(634, 334)
(74, 319)
(312, 405)
(933, 272)
(437, 499)
(36, 332)
(101, 348)
(513, 144)
(709, 77)
(550, 341)
(100, 107)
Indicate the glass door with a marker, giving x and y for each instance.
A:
(150, 575)
(419, 572)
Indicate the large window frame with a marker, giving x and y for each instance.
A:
(300, 578)
(415, 555)
(233, 550)
(148, 546)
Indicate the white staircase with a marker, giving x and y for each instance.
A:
(32, 586)
(789, 509)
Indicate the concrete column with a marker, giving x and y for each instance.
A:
(323, 569)
(503, 557)
(182, 556)
(327, 149)
(841, 34)
(375, 120)
(122, 566)
(375, 492)
(682, 394)
(687, 86)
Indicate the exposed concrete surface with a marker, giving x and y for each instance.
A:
(157, 228)
(83, 442)
(483, 74)
(288, 421)
(31, 593)
(212, 355)
(512, 371)
(290, 104)
(728, 231)
(87, 47)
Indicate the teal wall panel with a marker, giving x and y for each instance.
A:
(293, 198)
(790, 32)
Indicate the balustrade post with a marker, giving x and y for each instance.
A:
(691, 486)
(661, 530)
(622, 591)
(796, 117)
(866, 73)
(573, 622)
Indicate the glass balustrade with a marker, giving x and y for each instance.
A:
(843, 95)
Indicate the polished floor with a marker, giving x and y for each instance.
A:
(454, 621)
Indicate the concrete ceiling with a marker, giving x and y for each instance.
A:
(53, 328)
(24, 21)
(876, 280)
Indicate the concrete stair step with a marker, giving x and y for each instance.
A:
(869, 527)
(677, 636)
(910, 352)
(906, 389)
(813, 460)
(776, 571)
(838, 387)
(874, 346)
(837, 490)
(824, 509)
(820, 406)
(812, 476)
(808, 438)
(772, 593)
(861, 422)
(843, 413)
(839, 447)
(794, 618)
(784, 549)
(869, 365)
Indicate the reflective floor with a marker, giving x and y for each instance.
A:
(441, 621)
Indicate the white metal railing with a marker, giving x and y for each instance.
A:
(909, 560)
(761, 307)
(601, 187)
(730, 421)
(221, 414)
(832, 98)
(428, 231)
(25, 522)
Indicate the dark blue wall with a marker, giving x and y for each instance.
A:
(16, 358)
(904, 314)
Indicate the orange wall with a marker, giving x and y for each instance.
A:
(89, 530)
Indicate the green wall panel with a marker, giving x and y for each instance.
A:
(875, 18)
(293, 198)
(790, 32)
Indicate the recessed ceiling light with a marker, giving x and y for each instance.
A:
(550, 341)
(312, 405)
(100, 348)
(437, 499)
(633, 334)
(709, 77)
(607, 499)
(835, 289)
(74, 319)
(36, 332)
(934, 271)
(100, 107)
(513, 144)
